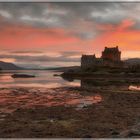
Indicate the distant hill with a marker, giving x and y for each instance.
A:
(133, 61)
(9, 66)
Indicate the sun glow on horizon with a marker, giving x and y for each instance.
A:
(8, 60)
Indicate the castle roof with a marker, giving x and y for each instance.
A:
(89, 56)
(111, 50)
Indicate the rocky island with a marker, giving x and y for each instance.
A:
(22, 76)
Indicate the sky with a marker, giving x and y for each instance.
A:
(53, 34)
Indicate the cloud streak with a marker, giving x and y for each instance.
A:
(40, 58)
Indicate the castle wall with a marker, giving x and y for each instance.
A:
(113, 63)
(90, 61)
(112, 56)
(87, 61)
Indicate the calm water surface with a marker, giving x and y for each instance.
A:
(42, 79)
(31, 92)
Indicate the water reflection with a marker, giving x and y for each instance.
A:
(12, 99)
(6, 78)
(39, 91)
(85, 101)
(134, 88)
(87, 83)
(43, 79)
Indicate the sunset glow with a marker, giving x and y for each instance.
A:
(62, 30)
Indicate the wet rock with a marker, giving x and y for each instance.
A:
(114, 133)
(124, 134)
(52, 120)
(134, 132)
(87, 136)
(18, 109)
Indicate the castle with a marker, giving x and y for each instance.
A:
(112, 54)
(111, 57)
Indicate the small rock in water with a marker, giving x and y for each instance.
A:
(56, 75)
(22, 76)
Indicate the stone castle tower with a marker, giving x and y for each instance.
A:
(112, 54)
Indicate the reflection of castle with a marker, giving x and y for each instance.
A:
(110, 57)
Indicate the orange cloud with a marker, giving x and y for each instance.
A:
(55, 39)
(122, 35)
(16, 37)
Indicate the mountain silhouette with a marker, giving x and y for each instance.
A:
(133, 61)
(9, 66)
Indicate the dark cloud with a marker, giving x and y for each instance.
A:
(71, 53)
(80, 18)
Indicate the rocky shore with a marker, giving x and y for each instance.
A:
(69, 113)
